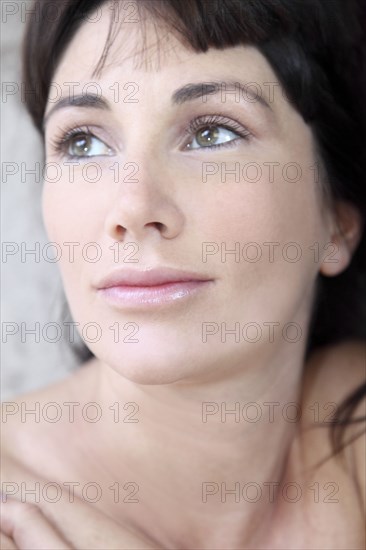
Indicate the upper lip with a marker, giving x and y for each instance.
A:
(148, 277)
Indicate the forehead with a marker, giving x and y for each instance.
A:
(147, 49)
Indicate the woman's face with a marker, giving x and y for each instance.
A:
(234, 199)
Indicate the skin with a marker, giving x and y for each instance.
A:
(168, 213)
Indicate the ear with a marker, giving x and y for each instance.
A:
(345, 235)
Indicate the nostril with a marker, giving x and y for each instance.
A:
(120, 231)
(160, 226)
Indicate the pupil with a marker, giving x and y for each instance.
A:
(208, 136)
(81, 144)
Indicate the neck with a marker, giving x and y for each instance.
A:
(207, 456)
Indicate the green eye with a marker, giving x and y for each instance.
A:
(210, 136)
(86, 145)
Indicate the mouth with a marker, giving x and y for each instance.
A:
(150, 287)
(151, 295)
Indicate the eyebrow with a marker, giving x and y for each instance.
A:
(92, 101)
(189, 92)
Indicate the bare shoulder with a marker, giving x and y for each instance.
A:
(332, 374)
(33, 424)
(24, 431)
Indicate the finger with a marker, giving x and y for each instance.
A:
(87, 527)
(29, 529)
(81, 524)
(6, 543)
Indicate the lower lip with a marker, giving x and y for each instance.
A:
(138, 296)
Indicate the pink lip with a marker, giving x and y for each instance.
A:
(128, 287)
(147, 277)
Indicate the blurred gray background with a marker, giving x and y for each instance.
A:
(31, 291)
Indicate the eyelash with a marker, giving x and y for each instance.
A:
(216, 120)
(61, 142)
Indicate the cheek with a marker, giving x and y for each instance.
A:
(73, 206)
(263, 236)
(264, 209)
(71, 220)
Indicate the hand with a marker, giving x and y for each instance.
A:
(6, 543)
(25, 524)
(61, 525)
(79, 526)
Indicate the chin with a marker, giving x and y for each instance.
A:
(149, 366)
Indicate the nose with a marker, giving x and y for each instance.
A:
(142, 208)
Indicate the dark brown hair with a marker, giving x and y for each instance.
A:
(317, 50)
